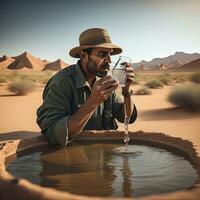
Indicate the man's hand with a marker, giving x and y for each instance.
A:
(130, 76)
(102, 89)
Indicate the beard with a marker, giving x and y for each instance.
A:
(93, 68)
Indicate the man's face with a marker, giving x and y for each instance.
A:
(98, 61)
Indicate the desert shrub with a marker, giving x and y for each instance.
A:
(3, 79)
(143, 91)
(137, 79)
(36, 77)
(166, 74)
(165, 79)
(21, 86)
(154, 83)
(186, 95)
(45, 77)
(195, 77)
(13, 75)
(23, 76)
(136, 82)
(180, 77)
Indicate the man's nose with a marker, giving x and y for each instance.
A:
(108, 59)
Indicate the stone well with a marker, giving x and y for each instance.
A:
(12, 188)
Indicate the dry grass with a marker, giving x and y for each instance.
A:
(195, 77)
(172, 76)
(154, 84)
(186, 96)
(143, 91)
(35, 76)
(3, 79)
(21, 86)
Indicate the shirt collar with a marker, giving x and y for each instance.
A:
(80, 79)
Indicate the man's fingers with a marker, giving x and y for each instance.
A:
(106, 95)
(106, 78)
(109, 84)
(129, 69)
(130, 79)
(130, 75)
(110, 89)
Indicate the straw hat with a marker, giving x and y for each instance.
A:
(94, 37)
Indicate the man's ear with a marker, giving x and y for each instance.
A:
(83, 55)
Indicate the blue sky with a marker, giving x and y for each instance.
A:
(145, 29)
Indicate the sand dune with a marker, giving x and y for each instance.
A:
(5, 61)
(3, 58)
(45, 62)
(55, 66)
(26, 61)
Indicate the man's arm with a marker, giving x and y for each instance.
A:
(78, 120)
(55, 111)
(129, 107)
(55, 116)
(101, 90)
(119, 108)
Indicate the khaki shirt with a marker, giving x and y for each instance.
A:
(64, 93)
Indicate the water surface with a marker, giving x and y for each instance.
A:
(100, 170)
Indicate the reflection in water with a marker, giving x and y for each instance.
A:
(76, 168)
(127, 173)
(97, 170)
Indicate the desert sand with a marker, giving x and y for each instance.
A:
(155, 114)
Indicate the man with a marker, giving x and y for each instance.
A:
(82, 96)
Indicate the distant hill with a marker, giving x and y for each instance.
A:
(45, 62)
(172, 61)
(173, 65)
(3, 58)
(193, 66)
(55, 66)
(5, 61)
(177, 61)
(26, 61)
(140, 68)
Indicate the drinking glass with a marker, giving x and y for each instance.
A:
(119, 72)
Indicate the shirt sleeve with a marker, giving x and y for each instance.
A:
(118, 109)
(53, 114)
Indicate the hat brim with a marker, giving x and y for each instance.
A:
(75, 52)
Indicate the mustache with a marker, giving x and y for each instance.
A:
(105, 66)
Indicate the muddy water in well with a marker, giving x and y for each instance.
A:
(101, 170)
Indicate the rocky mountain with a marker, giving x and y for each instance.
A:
(172, 61)
(173, 65)
(193, 66)
(141, 68)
